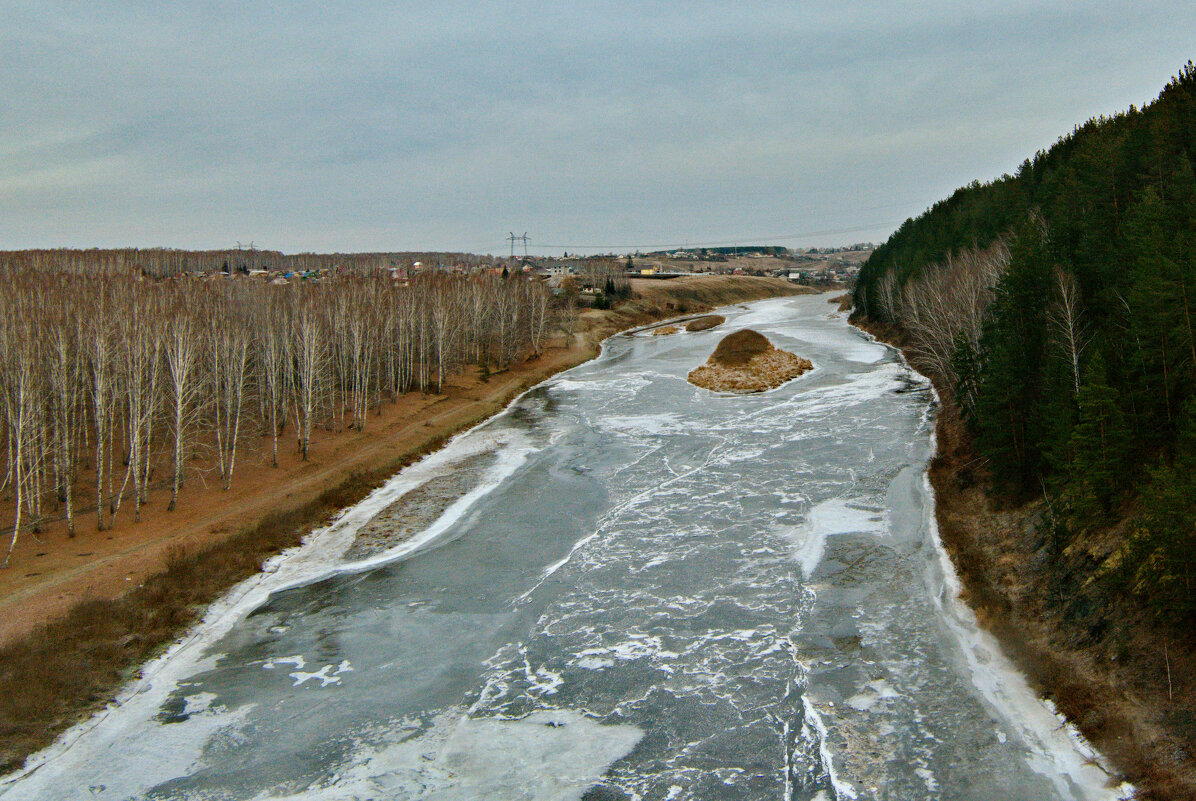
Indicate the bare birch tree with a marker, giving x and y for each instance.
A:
(308, 354)
(1067, 324)
(102, 347)
(19, 393)
(228, 351)
(183, 350)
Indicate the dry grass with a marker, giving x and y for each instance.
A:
(746, 361)
(738, 349)
(705, 323)
(665, 330)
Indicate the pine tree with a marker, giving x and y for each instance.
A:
(1163, 549)
(1100, 440)
(1008, 416)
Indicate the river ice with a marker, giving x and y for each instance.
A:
(649, 592)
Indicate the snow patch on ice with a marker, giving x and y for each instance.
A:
(644, 424)
(827, 519)
(549, 754)
(119, 773)
(854, 349)
(874, 692)
(637, 646)
(328, 675)
(627, 383)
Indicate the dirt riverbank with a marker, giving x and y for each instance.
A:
(78, 615)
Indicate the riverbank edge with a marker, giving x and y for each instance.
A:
(74, 665)
(1081, 696)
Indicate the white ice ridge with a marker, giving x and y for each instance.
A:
(549, 754)
(827, 519)
(102, 753)
(844, 790)
(1057, 750)
(510, 459)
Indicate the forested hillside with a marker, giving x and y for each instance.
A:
(1073, 359)
(1054, 309)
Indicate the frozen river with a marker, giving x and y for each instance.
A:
(644, 591)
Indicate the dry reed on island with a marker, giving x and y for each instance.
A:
(746, 361)
(705, 323)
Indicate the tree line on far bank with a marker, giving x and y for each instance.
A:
(124, 382)
(1057, 304)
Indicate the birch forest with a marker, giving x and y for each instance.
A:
(113, 382)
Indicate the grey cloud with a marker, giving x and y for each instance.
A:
(434, 125)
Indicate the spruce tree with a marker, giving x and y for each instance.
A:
(1163, 550)
(1100, 439)
(1008, 416)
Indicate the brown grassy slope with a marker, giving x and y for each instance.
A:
(740, 348)
(75, 651)
(1095, 656)
(693, 294)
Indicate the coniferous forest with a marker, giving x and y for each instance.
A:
(1054, 310)
(1057, 307)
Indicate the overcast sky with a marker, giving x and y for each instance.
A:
(602, 125)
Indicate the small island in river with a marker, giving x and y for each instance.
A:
(746, 361)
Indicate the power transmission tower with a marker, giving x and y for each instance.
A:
(515, 239)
